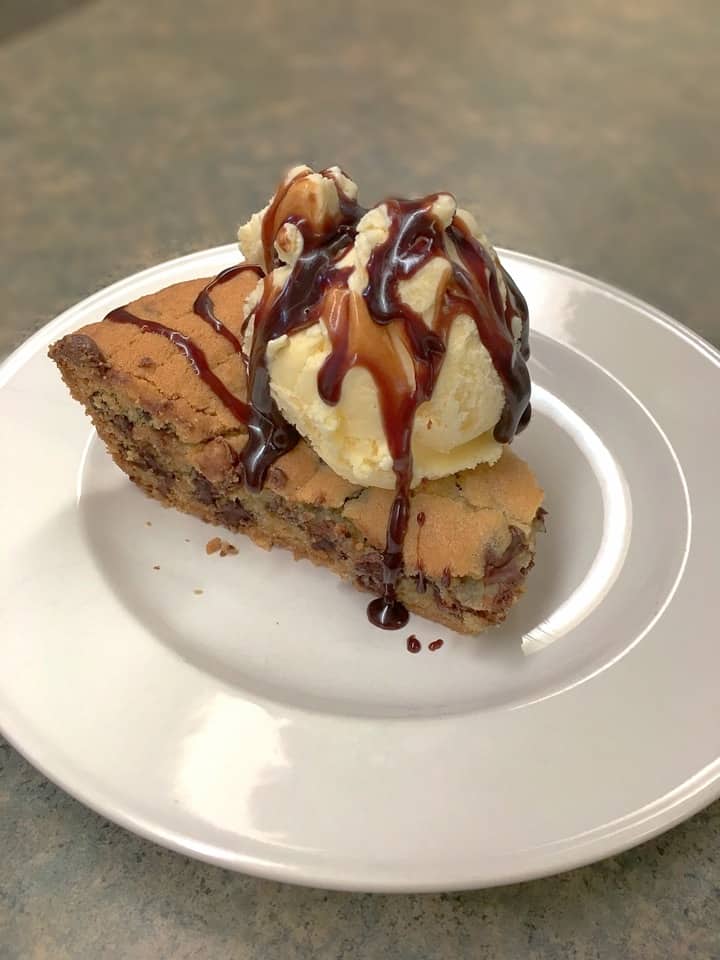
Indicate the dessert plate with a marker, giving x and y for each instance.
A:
(242, 710)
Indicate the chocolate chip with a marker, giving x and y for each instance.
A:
(203, 490)
(500, 567)
(370, 566)
(234, 514)
(79, 349)
(327, 546)
(321, 529)
(370, 572)
(146, 458)
(371, 584)
(122, 423)
(164, 483)
(445, 602)
(539, 521)
(286, 513)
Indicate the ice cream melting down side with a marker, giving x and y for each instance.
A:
(358, 335)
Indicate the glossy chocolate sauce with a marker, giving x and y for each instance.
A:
(478, 294)
(364, 331)
(292, 307)
(436, 644)
(205, 308)
(421, 584)
(416, 236)
(413, 644)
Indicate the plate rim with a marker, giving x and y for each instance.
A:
(686, 799)
(573, 857)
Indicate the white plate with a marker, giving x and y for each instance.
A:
(264, 725)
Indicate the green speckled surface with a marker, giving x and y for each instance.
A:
(585, 133)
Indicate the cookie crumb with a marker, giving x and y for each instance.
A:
(187, 539)
(224, 547)
(156, 567)
(197, 591)
(148, 523)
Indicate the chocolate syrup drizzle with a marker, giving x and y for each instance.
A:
(296, 305)
(317, 286)
(196, 359)
(205, 308)
(421, 584)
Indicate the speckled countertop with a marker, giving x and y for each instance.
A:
(586, 133)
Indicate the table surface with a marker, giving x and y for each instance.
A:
(585, 133)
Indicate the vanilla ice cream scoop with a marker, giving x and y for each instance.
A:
(391, 339)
